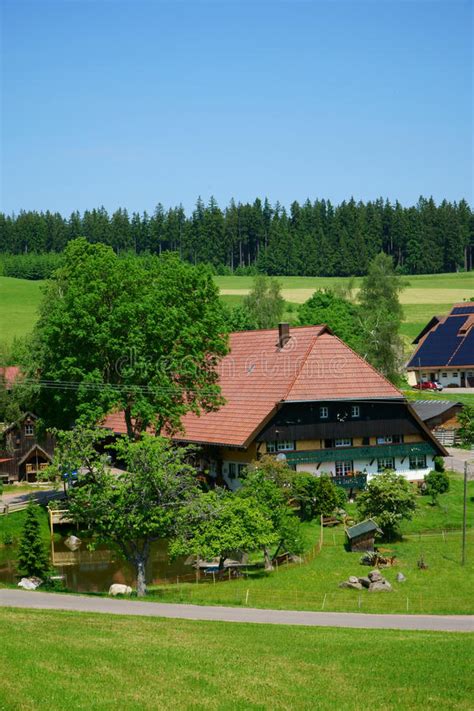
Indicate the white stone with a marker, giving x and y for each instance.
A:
(29, 583)
(118, 589)
(73, 543)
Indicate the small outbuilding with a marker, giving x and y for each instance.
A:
(361, 537)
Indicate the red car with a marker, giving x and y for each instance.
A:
(428, 385)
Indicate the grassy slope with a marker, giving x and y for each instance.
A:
(146, 663)
(19, 301)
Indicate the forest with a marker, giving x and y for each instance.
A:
(310, 239)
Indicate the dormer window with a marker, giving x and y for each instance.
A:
(29, 429)
(355, 411)
(324, 413)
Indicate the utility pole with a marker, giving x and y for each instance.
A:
(464, 512)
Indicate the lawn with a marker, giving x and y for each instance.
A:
(148, 663)
(19, 301)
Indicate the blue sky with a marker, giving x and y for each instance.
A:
(132, 103)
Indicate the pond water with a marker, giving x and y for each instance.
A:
(95, 571)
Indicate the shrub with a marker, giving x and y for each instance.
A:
(389, 498)
(30, 266)
(32, 557)
(315, 495)
(435, 483)
(439, 464)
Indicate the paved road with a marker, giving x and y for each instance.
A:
(82, 603)
(42, 496)
(456, 459)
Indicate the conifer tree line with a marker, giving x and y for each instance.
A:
(310, 239)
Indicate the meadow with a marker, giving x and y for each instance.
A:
(148, 663)
(424, 296)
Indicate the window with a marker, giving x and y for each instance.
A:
(387, 439)
(344, 468)
(385, 463)
(455, 375)
(365, 441)
(397, 439)
(324, 413)
(235, 470)
(285, 445)
(29, 429)
(355, 411)
(343, 442)
(418, 461)
(444, 375)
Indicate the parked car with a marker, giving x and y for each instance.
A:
(428, 385)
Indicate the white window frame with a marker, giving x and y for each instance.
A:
(343, 468)
(417, 461)
(387, 439)
(343, 442)
(355, 411)
(29, 429)
(384, 463)
(324, 413)
(455, 375)
(284, 445)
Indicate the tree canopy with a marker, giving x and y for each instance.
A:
(114, 334)
(338, 313)
(389, 498)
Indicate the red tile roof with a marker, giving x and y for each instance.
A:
(10, 373)
(256, 376)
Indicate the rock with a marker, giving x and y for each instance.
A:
(375, 575)
(380, 586)
(365, 582)
(73, 543)
(118, 589)
(400, 578)
(30, 583)
(353, 579)
(352, 586)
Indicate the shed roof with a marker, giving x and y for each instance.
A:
(426, 409)
(359, 529)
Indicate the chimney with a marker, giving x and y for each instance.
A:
(283, 334)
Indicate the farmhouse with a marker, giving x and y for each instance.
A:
(305, 396)
(22, 453)
(445, 351)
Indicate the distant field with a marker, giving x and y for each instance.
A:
(19, 301)
(114, 661)
(423, 297)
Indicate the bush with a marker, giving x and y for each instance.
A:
(435, 483)
(315, 495)
(439, 464)
(389, 498)
(32, 557)
(30, 266)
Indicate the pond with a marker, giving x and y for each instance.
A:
(95, 571)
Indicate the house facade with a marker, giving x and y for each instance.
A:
(305, 397)
(445, 349)
(22, 453)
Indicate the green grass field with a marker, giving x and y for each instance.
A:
(62, 660)
(424, 296)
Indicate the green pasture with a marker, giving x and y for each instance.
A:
(140, 663)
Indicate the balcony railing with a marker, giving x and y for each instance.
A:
(355, 481)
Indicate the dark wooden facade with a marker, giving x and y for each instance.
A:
(22, 453)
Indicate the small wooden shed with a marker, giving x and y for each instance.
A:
(361, 537)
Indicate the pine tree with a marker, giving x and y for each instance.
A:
(32, 557)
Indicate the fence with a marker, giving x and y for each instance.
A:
(6, 508)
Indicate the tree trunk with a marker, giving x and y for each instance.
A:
(140, 564)
(221, 563)
(128, 422)
(267, 559)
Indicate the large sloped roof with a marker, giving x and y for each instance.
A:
(256, 376)
(10, 373)
(449, 342)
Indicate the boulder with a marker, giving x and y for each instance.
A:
(375, 575)
(348, 584)
(400, 578)
(73, 543)
(380, 586)
(118, 589)
(365, 582)
(30, 583)
(353, 579)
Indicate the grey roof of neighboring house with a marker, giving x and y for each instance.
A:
(426, 409)
(365, 527)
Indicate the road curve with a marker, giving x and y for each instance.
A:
(83, 603)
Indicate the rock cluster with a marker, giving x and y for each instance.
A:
(118, 589)
(374, 582)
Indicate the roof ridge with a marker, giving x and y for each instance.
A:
(275, 328)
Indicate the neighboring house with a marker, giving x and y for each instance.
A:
(9, 374)
(441, 416)
(445, 350)
(22, 453)
(307, 397)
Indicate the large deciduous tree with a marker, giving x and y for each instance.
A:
(337, 312)
(389, 498)
(132, 510)
(116, 333)
(381, 316)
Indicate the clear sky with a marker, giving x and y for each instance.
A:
(130, 103)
